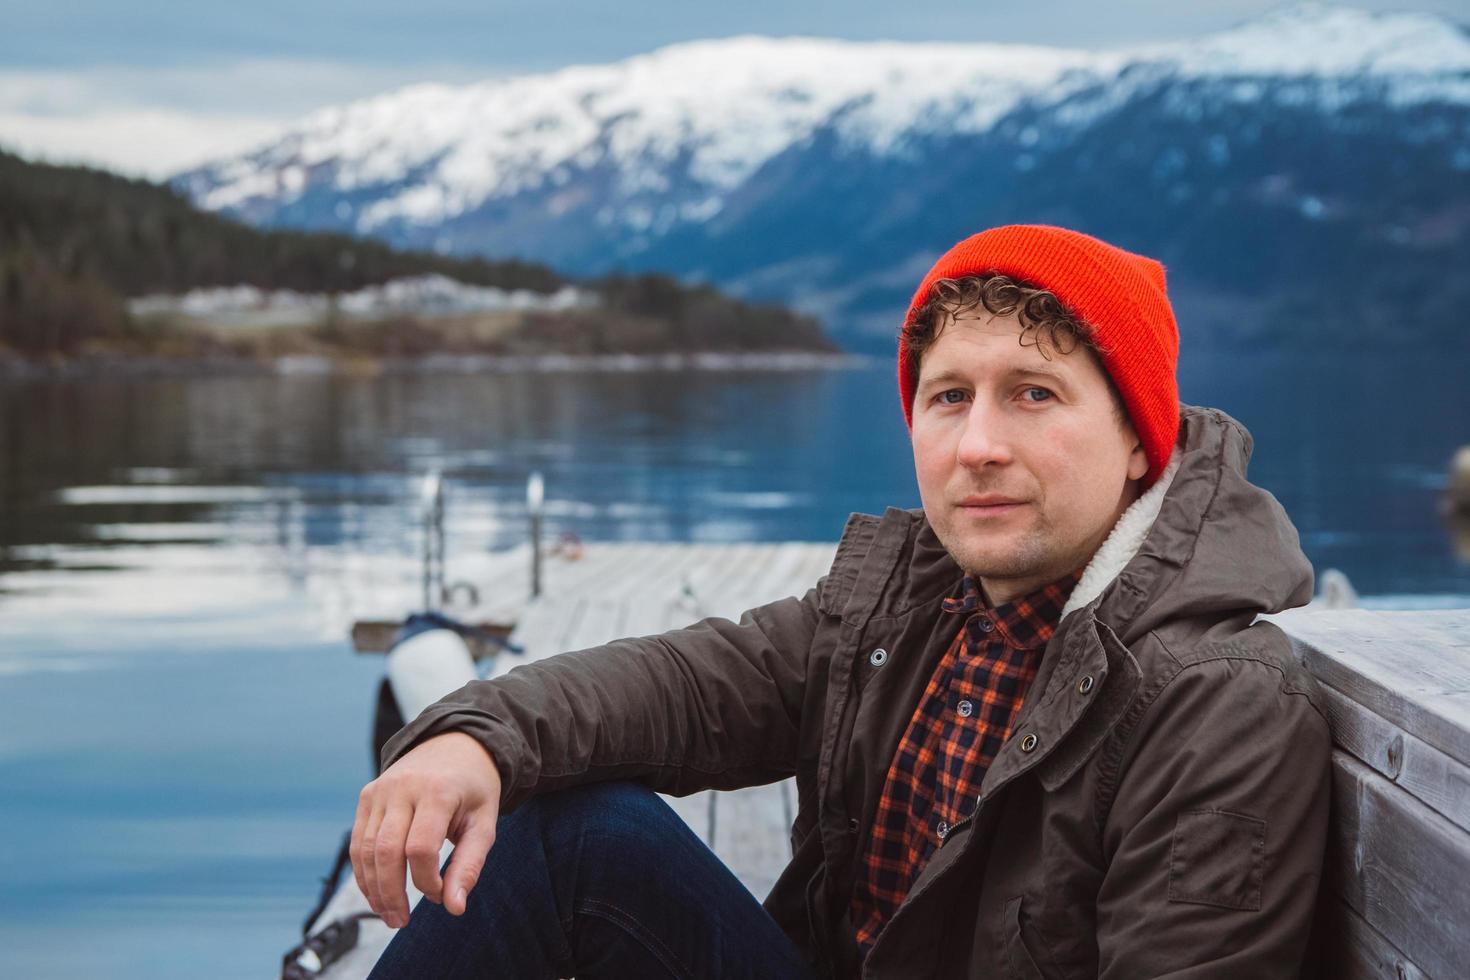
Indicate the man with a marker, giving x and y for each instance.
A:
(1034, 730)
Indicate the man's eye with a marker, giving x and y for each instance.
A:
(1045, 394)
(944, 398)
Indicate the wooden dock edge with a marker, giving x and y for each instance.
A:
(1395, 894)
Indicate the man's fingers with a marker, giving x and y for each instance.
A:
(359, 830)
(368, 848)
(468, 860)
(388, 860)
(404, 816)
(425, 839)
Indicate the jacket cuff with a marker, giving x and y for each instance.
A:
(506, 748)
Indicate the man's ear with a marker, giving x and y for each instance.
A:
(1137, 462)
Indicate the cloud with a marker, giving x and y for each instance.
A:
(148, 143)
(154, 122)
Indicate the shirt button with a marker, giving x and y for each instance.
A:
(965, 708)
(985, 624)
(943, 830)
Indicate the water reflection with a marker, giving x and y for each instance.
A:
(205, 502)
(117, 496)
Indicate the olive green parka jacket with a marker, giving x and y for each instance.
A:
(1159, 809)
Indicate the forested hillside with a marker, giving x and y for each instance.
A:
(76, 242)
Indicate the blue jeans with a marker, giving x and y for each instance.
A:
(599, 881)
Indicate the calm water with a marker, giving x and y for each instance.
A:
(183, 728)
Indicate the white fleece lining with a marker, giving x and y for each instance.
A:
(1123, 541)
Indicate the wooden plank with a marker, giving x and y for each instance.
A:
(542, 630)
(1351, 949)
(743, 581)
(1426, 773)
(717, 586)
(1401, 866)
(653, 601)
(502, 578)
(784, 576)
(751, 835)
(672, 608)
(1398, 639)
(1409, 668)
(645, 607)
(588, 573)
(697, 810)
(629, 569)
(655, 571)
(821, 562)
(601, 621)
(816, 561)
(742, 573)
(755, 584)
(674, 568)
(710, 580)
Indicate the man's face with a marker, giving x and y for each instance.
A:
(995, 421)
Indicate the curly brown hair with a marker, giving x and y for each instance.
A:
(1046, 323)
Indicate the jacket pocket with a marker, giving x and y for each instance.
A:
(1216, 859)
(1020, 964)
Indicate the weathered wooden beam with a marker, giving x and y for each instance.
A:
(1351, 949)
(1417, 767)
(1410, 668)
(1401, 866)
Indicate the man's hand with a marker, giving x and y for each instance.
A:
(446, 788)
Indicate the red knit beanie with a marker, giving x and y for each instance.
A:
(1119, 295)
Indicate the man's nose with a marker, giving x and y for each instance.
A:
(986, 439)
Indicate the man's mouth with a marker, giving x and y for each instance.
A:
(990, 503)
(990, 510)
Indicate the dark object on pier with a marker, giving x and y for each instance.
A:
(1457, 491)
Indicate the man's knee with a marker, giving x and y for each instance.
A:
(607, 804)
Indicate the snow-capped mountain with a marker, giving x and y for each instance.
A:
(829, 173)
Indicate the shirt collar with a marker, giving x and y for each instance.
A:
(1027, 621)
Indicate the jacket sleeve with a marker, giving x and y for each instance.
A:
(1215, 839)
(715, 705)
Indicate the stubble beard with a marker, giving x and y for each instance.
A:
(1031, 554)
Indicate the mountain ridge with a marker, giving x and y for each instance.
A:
(813, 171)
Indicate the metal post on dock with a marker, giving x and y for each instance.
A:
(432, 501)
(535, 497)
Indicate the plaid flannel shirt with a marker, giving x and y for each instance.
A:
(963, 718)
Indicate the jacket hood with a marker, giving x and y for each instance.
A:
(1202, 543)
(1216, 547)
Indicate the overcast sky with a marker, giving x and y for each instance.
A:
(149, 87)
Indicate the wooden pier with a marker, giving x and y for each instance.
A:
(1395, 901)
(618, 590)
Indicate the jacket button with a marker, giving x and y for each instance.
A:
(852, 825)
(878, 657)
(1028, 743)
(1084, 685)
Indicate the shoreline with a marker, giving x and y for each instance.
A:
(310, 365)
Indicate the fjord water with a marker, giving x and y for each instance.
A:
(183, 727)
